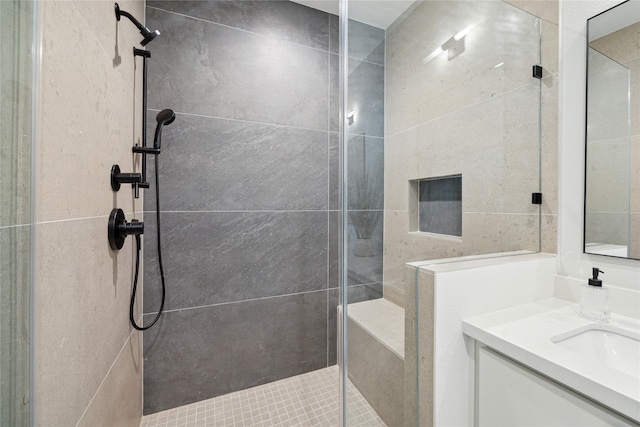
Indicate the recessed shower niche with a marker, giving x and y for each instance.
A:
(436, 205)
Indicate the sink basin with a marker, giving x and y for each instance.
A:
(616, 348)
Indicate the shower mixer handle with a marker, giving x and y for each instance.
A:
(137, 186)
(135, 179)
(118, 228)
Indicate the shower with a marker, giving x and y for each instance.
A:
(146, 33)
(118, 227)
(255, 246)
(260, 245)
(164, 117)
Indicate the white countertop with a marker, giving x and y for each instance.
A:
(524, 333)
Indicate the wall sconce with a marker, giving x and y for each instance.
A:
(351, 117)
(454, 46)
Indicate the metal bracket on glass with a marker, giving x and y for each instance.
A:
(537, 71)
(536, 198)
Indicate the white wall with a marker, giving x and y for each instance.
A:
(464, 290)
(572, 263)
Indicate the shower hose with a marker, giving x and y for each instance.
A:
(135, 277)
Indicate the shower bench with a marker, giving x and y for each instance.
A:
(376, 356)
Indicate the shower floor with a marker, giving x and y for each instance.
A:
(309, 399)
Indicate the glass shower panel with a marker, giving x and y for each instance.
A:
(16, 71)
(438, 93)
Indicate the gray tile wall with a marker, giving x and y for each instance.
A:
(249, 197)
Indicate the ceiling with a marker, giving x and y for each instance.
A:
(379, 13)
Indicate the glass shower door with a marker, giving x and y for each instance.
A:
(16, 71)
(441, 146)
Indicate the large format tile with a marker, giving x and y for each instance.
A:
(334, 34)
(482, 233)
(366, 98)
(232, 347)
(502, 45)
(608, 175)
(366, 43)
(284, 20)
(116, 40)
(213, 70)
(607, 227)
(334, 95)
(418, 19)
(213, 164)
(335, 154)
(81, 315)
(545, 9)
(86, 119)
(365, 172)
(335, 221)
(121, 389)
(364, 256)
(496, 151)
(217, 257)
(401, 166)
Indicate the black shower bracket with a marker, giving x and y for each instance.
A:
(537, 71)
(144, 150)
(536, 198)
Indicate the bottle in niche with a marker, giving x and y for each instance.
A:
(594, 300)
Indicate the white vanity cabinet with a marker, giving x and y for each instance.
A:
(510, 394)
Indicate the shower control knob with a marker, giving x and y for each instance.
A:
(119, 228)
(117, 178)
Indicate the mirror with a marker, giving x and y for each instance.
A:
(612, 169)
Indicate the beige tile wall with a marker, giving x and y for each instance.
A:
(418, 349)
(467, 116)
(87, 357)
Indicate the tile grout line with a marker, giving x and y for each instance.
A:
(459, 110)
(236, 302)
(244, 121)
(261, 298)
(106, 375)
(6, 227)
(280, 40)
(265, 211)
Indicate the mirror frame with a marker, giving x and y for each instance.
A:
(586, 112)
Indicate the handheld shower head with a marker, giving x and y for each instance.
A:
(146, 33)
(164, 117)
